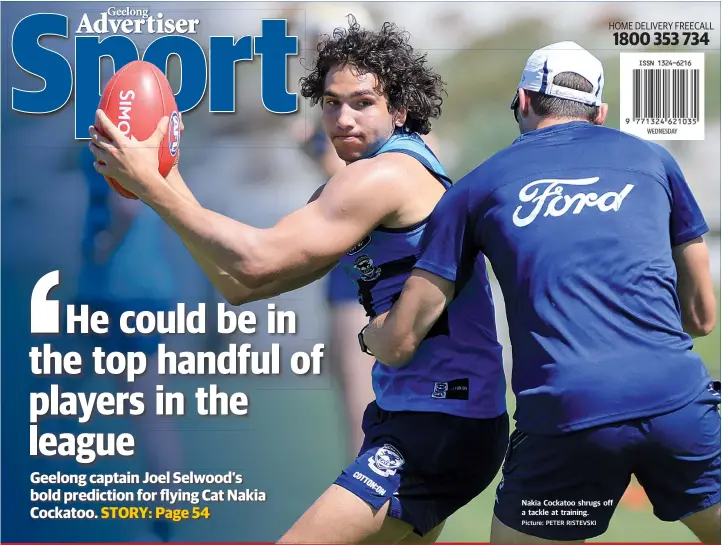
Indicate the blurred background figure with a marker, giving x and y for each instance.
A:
(125, 267)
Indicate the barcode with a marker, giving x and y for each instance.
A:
(666, 93)
(662, 95)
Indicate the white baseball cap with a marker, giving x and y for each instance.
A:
(547, 62)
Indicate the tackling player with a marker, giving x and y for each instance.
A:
(436, 434)
(596, 240)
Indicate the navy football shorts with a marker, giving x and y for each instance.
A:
(567, 487)
(428, 464)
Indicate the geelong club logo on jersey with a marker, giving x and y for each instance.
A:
(548, 195)
(386, 461)
(365, 265)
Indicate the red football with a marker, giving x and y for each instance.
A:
(135, 99)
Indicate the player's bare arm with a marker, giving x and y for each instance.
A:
(229, 287)
(240, 293)
(393, 337)
(308, 241)
(695, 288)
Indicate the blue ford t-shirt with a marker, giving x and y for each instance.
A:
(578, 222)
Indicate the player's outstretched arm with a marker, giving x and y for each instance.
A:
(229, 287)
(695, 288)
(308, 241)
(304, 244)
(393, 337)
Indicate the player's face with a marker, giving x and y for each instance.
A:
(355, 114)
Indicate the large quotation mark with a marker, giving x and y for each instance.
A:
(44, 313)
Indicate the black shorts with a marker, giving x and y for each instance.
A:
(567, 487)
(428, 464)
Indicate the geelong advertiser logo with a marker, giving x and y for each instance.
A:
(212, 69)
(134, 21)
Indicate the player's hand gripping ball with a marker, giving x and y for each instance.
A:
(135, 99)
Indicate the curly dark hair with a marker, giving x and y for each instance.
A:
(402, 73)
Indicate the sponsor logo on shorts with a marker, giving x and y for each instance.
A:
(373, 485)
(386, 461)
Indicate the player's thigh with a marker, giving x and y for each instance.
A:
(705, 524)
(413, 538)
(562, 488)
(501, 533)
(339, 516)
(679, 461)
